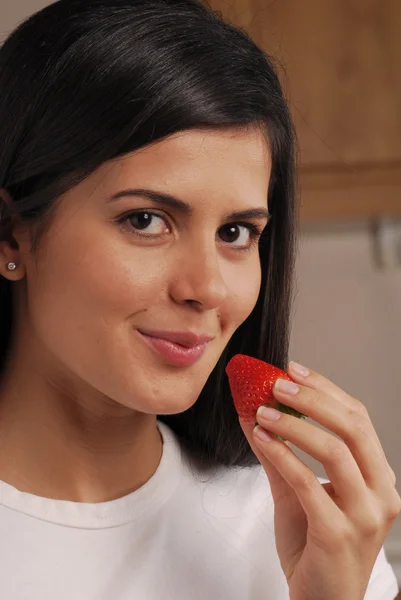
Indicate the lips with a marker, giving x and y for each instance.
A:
(183, 338)
(178, 349)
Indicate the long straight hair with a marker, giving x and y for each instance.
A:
(85, 81)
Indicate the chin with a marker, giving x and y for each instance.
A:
(160, 394)
(148, 386)
(165, 404)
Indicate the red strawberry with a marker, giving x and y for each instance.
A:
(251, 382)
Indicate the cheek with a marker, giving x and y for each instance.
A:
(244, 286)
(98, 276)
(83, 294)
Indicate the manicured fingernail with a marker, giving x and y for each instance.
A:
(267, 413)
(287, 387)
(299, 369)
(262, 434)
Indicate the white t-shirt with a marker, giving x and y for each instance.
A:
(182, 536)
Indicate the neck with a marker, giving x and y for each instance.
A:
(68, 443)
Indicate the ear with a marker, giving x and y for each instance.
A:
(10, 253)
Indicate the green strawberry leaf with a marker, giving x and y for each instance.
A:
(289, 411)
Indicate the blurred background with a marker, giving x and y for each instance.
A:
(340, 65)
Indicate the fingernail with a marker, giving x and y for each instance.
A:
(299, 369)
(287, 387)
(267, 413)
(262, 434)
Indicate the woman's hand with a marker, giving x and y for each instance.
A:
(328, 536)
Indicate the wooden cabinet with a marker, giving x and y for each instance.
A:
(340, 64)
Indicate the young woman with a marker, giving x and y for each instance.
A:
(147, 236)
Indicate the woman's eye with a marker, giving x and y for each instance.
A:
(148, 222)
(238, 235)
(145, 223)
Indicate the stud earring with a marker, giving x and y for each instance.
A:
(11, 266)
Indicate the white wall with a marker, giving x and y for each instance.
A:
(12, 12)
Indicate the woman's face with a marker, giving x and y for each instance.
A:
(109, 273)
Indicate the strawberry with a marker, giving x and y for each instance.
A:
(251, 382)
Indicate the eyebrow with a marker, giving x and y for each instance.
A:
(259, 212)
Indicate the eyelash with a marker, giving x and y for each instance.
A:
(254, 231)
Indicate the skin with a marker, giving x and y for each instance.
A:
(80, 395)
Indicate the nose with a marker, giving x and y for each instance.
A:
(198, 279)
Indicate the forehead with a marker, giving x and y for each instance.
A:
(197, 145)
(196, 158)
(198, 165)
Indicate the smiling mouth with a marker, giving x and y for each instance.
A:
(180, 350)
